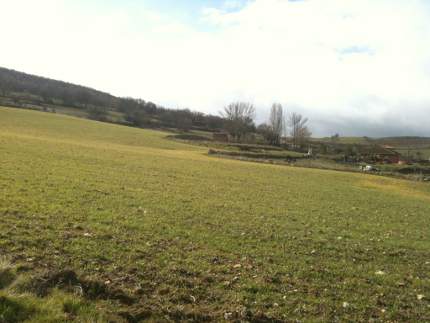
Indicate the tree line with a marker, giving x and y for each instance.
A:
(44, 91)
(240, 123)
(237, 118)
(140, 113)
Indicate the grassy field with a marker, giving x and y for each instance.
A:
(425, 152)
(347, 140)
(101, 222)
(403, 145)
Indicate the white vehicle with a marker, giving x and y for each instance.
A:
(368, 168)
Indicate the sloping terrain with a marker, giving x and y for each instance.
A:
(21, 90)
(137, 227)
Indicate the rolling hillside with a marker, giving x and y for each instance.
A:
(101, 222)
(21, 90)
(407, 146)
(38, 90)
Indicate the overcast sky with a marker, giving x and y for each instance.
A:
(357, 67)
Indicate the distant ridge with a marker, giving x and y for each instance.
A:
(22, 90)
(49, 90)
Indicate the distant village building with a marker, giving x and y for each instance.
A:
(221, 137)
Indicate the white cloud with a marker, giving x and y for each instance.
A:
(357, 65)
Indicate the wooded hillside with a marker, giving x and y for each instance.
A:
(29, 91)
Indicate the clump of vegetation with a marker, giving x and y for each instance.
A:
(24, 297)
(12, 311)
(7, 274)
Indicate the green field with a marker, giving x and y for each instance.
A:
(424, 152)
(102, 222)
(348, 140)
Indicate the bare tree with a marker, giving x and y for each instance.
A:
(266, 132)
(299, 129)
(277, 123)
(240, 118)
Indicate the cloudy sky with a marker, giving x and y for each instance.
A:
(357, 67)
